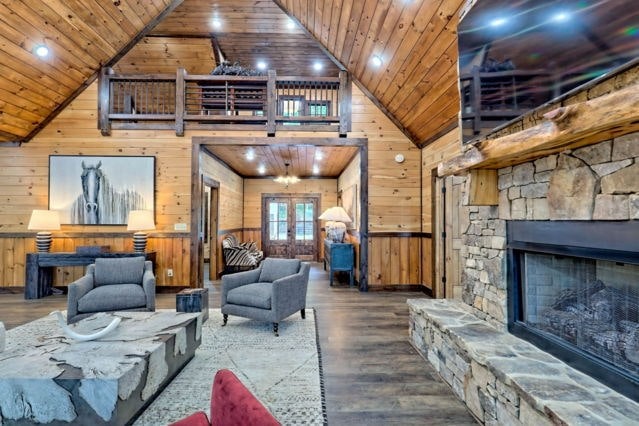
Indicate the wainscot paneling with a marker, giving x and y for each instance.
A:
(171, 253)
(394, 260)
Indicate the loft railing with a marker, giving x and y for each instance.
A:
(184, 101)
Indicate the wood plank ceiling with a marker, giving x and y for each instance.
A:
(81, 35)
(248, 32)
(304, 160)
(417, 44)
(416, 83)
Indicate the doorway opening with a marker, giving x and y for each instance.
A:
(290, 227)
(209, 226)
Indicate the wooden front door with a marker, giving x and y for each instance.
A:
(290, 226)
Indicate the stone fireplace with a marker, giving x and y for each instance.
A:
(500, 377)
(573, 290)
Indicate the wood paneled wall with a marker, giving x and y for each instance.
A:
(394, 260)
(164, 55)
(230, 201)
(443, 148)
(350, 177)
(394, 204)
(171, 252)
(393, 188)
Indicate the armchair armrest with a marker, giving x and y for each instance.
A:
(76, 290)
(148, 284)
(231, 281)
(289, 293)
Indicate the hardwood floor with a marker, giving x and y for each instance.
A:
(372, 375)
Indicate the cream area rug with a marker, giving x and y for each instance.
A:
(283, 372)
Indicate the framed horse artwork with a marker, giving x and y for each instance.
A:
(89, 190)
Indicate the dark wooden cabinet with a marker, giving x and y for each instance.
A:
(39, 268)
(339, 257)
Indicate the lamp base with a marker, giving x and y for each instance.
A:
(336, 231)
(139, 242)
(43, 241)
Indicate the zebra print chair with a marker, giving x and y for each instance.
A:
(239, 256)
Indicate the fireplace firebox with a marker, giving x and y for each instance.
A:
(573, 291)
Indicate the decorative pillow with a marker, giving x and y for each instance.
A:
(250, 246)
(273, 269)
(125, 270)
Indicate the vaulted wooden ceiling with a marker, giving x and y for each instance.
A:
(417, 44)
(82, 35)
(416, 83)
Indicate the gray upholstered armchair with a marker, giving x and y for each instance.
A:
(272, 292)
(112, 284)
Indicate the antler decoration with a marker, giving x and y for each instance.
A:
(62, 321)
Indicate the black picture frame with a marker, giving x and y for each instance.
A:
(100, 190)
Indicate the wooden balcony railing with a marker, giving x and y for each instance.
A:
(184, 101)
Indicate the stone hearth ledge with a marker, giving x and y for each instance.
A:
(505, 380)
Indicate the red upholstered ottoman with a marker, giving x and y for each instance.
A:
(232, 404)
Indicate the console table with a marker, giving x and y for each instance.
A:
(39, 268)
(339, 257)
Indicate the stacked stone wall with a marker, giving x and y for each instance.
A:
(597, 182)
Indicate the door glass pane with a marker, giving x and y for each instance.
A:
(272, 211)
(282, 211)
(272, 231)
(281, 235)
(304, 221)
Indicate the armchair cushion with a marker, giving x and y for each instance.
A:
(273, 269)
(119, 270)
(257, 295)
(112, 297)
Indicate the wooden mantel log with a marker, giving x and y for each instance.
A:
(571, 126)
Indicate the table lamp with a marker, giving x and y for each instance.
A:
(44, 221)
(140, 221)
(336, 218)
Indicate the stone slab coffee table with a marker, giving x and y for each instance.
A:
(48, 378)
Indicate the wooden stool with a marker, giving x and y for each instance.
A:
(193, 300)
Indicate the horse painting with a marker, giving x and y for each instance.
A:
(100, 203)
(91, 177)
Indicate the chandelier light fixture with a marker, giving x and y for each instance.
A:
(287, 179)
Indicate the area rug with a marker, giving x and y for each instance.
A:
(283, 372)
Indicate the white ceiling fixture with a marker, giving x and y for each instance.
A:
(41, 50)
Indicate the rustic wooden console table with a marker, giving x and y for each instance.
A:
(39, 268)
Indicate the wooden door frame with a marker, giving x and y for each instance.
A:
(214, 218)
(208, 181)
(198, 145)
(290, 196)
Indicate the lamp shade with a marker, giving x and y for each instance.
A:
(140, 220)
(44, 220)
(335, 214)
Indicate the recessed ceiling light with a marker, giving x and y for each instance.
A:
(317, 66)
(217, 24)
(250, 155)
(315, 169)
(261, 169)
(291, 24)
(498, 22)
(377, 60)
(41, 50)
(261, 65)
(561, 16)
